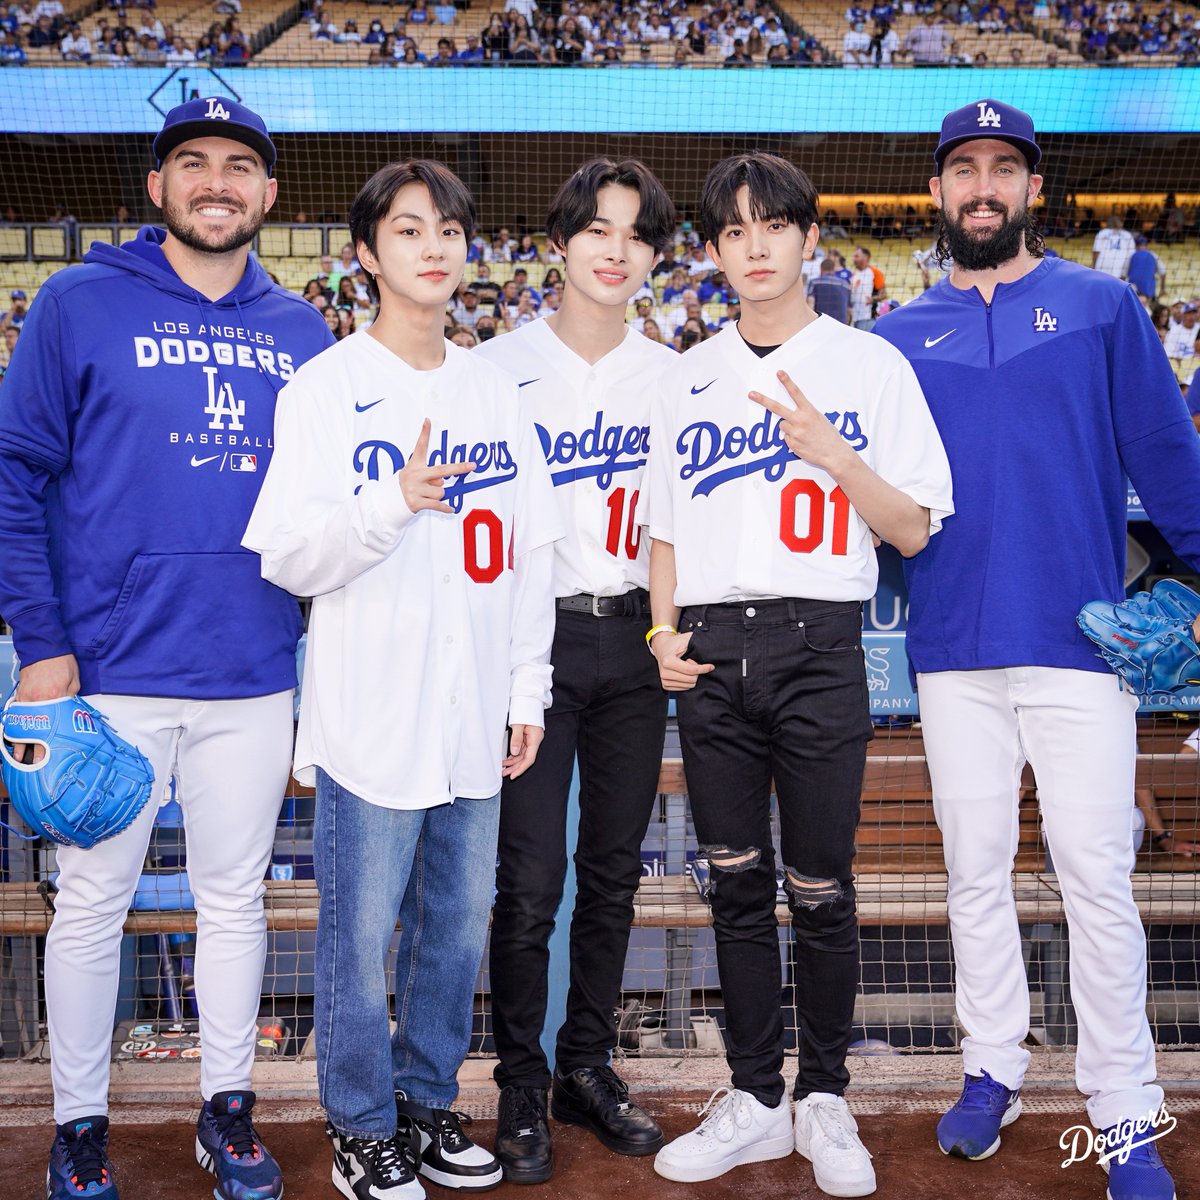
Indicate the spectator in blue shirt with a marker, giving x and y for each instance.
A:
(1193, 399)
(1145, 271)
(12, 54)
(829, 294)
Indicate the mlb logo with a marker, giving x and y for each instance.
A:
(82, 721)
(243, 462)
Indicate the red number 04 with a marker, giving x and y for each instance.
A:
(483, 567)
(813, 534)
(633, 531)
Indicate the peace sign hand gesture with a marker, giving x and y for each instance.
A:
(808, 433)
(423, 486)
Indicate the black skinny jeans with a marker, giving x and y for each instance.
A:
(787, 701)
(609, 706)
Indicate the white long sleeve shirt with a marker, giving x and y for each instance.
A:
(429, 631)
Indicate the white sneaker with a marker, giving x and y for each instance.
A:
(827, 1135)
(738, 1129)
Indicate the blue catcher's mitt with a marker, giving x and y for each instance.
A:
(1148, 639)
(88, 786)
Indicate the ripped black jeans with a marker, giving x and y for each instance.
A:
(787, 701)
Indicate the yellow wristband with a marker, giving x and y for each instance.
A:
(658, 629)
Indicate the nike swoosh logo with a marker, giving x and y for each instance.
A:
(931, 342)
(199, 462)
(528, 382)
(696, 391)
(363, 407)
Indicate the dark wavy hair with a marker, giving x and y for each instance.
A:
(451, 199)
(573, 208)
(779, 190)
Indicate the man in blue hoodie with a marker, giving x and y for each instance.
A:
(131, 452)
(1049, 386)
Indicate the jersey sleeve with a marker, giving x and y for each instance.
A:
(655, 511)
(1155, 436)
(39, 405)
(909, 453)
(537, 526)
(313, 537)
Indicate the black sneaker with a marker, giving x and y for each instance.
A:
(438, 1148)
(372, 1168)
(523, 1135)
(596, 1099)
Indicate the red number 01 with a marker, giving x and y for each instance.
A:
(487, 571)
(633, 532)
(814, 528)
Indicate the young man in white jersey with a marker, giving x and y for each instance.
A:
(771, 469)
(410, 497)
(582, 374)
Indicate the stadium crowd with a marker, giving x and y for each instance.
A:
(616, 33)
(120, 38)
(513, 277)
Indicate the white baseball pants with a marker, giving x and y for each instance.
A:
(231, 760)
(1077, 730)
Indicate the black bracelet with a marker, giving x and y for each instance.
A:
(1159, 838)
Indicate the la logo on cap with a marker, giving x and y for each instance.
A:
(218, 112)
(988, 115)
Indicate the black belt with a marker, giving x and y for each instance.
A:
(632, 604)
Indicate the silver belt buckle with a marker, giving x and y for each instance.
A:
(596, 605)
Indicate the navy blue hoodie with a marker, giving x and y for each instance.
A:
(135, 427)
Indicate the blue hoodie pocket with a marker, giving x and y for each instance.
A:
(198, 619)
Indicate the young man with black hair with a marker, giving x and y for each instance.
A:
(582, 373)
(431, 628)
(762, 504)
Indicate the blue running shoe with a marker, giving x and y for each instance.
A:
(1141, 1176)
(79, 1161)
(228, 1145)
(971, 1129)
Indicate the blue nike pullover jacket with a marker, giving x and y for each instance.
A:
(136, 424)
(1046, 400)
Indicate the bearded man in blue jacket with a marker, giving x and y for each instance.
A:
(1049, 387)
(135, 426)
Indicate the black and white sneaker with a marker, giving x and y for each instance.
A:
(441, 1151)
(372, 1168)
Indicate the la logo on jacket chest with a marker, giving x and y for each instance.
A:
(1044, 321)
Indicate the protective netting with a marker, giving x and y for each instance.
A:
(1121, 142)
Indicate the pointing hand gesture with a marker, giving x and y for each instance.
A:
(423, 486)
(808, 433)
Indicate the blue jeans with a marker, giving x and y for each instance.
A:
(435, 869)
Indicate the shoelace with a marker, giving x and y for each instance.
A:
(729, 1114)
(836, 1124)
(383, 1155)
(984, 1094)
(450, 1127)
(617, 1094)
(86, 1161)
(525, 1109)
(238, 1135)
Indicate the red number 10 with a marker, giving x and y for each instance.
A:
(633, 531)
(814, 527)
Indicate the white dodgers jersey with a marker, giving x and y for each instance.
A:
(593, 424)
(747, 518)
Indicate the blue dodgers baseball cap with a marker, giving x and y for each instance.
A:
(988, 119)
(215, 116)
